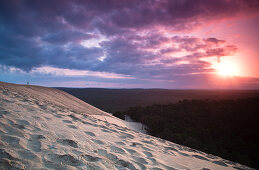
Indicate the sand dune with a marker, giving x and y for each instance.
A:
(44, 128)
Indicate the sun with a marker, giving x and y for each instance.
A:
(227, 68)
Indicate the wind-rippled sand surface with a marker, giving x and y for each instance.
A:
(47, 128)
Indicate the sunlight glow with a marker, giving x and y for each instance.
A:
(227, 68)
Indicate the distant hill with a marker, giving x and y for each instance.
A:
(112, 100)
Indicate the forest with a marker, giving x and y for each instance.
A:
(226, 128)
(113, 100)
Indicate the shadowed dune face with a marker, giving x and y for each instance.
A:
(39, 131)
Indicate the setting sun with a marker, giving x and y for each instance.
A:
(227, 68)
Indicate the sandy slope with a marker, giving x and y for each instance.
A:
(43, 128)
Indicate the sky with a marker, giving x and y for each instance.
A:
(173, 44)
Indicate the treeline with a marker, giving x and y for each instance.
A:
(226, 128)
(112, 100)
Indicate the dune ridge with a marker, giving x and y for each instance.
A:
(45, 128)
(52, 96)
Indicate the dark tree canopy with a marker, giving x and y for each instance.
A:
(226, 128)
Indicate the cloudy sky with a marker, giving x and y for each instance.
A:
(130, 43)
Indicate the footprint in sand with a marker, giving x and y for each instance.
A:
(26, 154)
(74, 117)
(15, 125)
(7, 128)
(35, 145)
(114, 131)
(58, 116)
(107, 155)
(141, 166)
(19, 126)
(126, 135)
(111, 157)
(88, 123)
(134, 144)
(120, 143)
(47, 118)
(4, 112)
(131, 151)
(1, 132)
(98, 142)
(10, 140)
(90, 133)
(6, 155)
(125, 164)
(8, 161)
(153, 160)
(22, 122)
(91, 158)
(116, 149)
(34, 142)
(102, 152)
(67, 121)
(220, 163)
(107, 124)
(72, 126)
(157, 169)
(148, 142)
(148, 154)
(140, 160)
(39, 137)
(200, 157)
(212, 156)
(38, 118)
(65, 159)
(68, 142)
(104, 130)
(103, 127)
(145, 148)
(170, 148)
(184, 154)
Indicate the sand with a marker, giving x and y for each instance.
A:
(44, 128)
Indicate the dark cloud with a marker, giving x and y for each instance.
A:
(180, 14)
(66, 37)
(221, 52)
(214, 40)
(40, 17)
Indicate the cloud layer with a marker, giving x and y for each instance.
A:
(141, 39)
